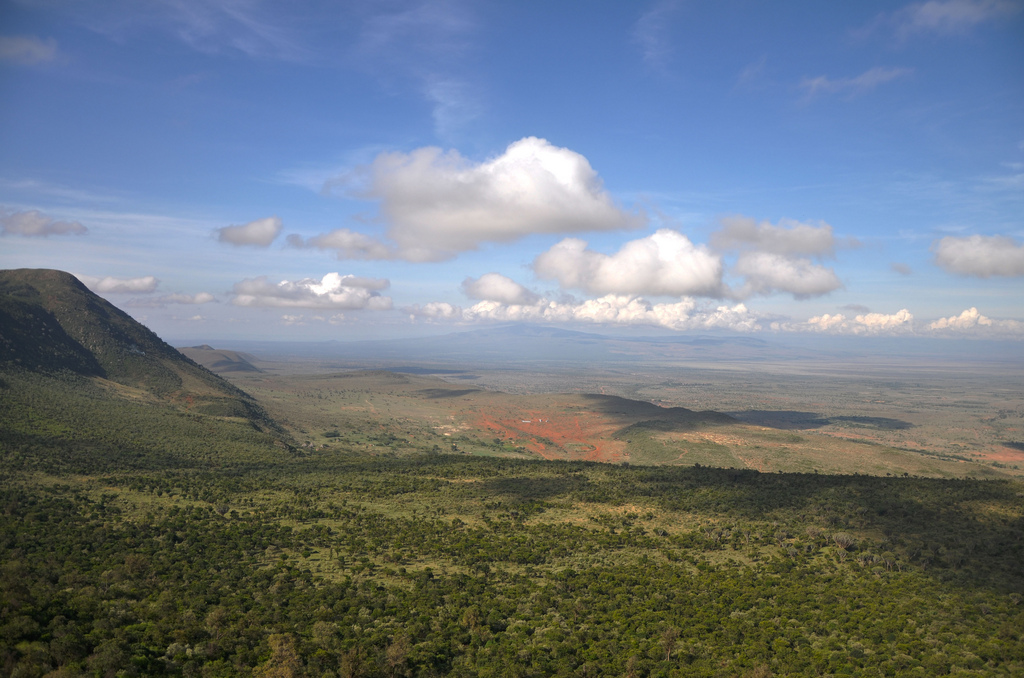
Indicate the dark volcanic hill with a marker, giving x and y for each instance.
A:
(51, 324)
(220, 361)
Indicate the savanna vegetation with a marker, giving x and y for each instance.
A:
(138, 538)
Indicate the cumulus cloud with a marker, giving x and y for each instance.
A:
(789, 237)
(980, 255)
(436, 310)
(615, 309)
(333, 291)
(969, 323)
(827, 323)
(951, 16)
(665, 263)
(27, 49)
(37, 225)
(496, 287)
(865, 82)
(347, 244)
(259, 233)
(969, 319)
(972, 322)
(774, 257)
(901, 322)
(111, 285)
(766, 272)
(437, 204)
(875, 323)
(611, 309)
(168, 299)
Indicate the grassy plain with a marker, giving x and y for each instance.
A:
(928, 420)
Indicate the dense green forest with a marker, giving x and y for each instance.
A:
(143, 539)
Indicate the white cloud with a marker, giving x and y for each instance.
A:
(496, 287)
(766, 273)
(901, 322)
(111, 285)
(27, 49)
(969, 319)
(166, 299)
(333, 291)
(951, 16)
(436, 310)
(865, 82)
(788, 237)
(611, 309)
(827, 323)
(876, 323)
(35, 224)
(259, 233)
(665, 263)
(980, 255)
(773, 257)
(970, 322)
(346, 244)
(616, 309)
(437, 204)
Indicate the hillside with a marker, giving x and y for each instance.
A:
(52, 323)
(71, 362)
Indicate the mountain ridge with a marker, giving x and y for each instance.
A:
(53, 325)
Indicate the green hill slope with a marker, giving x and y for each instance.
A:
(75, 368)
(53, 323)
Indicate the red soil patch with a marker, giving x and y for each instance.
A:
(580, 435)
(1005, 455)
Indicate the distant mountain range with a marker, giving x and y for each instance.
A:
(536, 346)
(522, 344)
(54, 326)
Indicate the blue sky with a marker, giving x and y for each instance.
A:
(351, 170)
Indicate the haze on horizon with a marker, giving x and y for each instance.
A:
(371, 170)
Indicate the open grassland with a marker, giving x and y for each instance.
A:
(379, 411)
